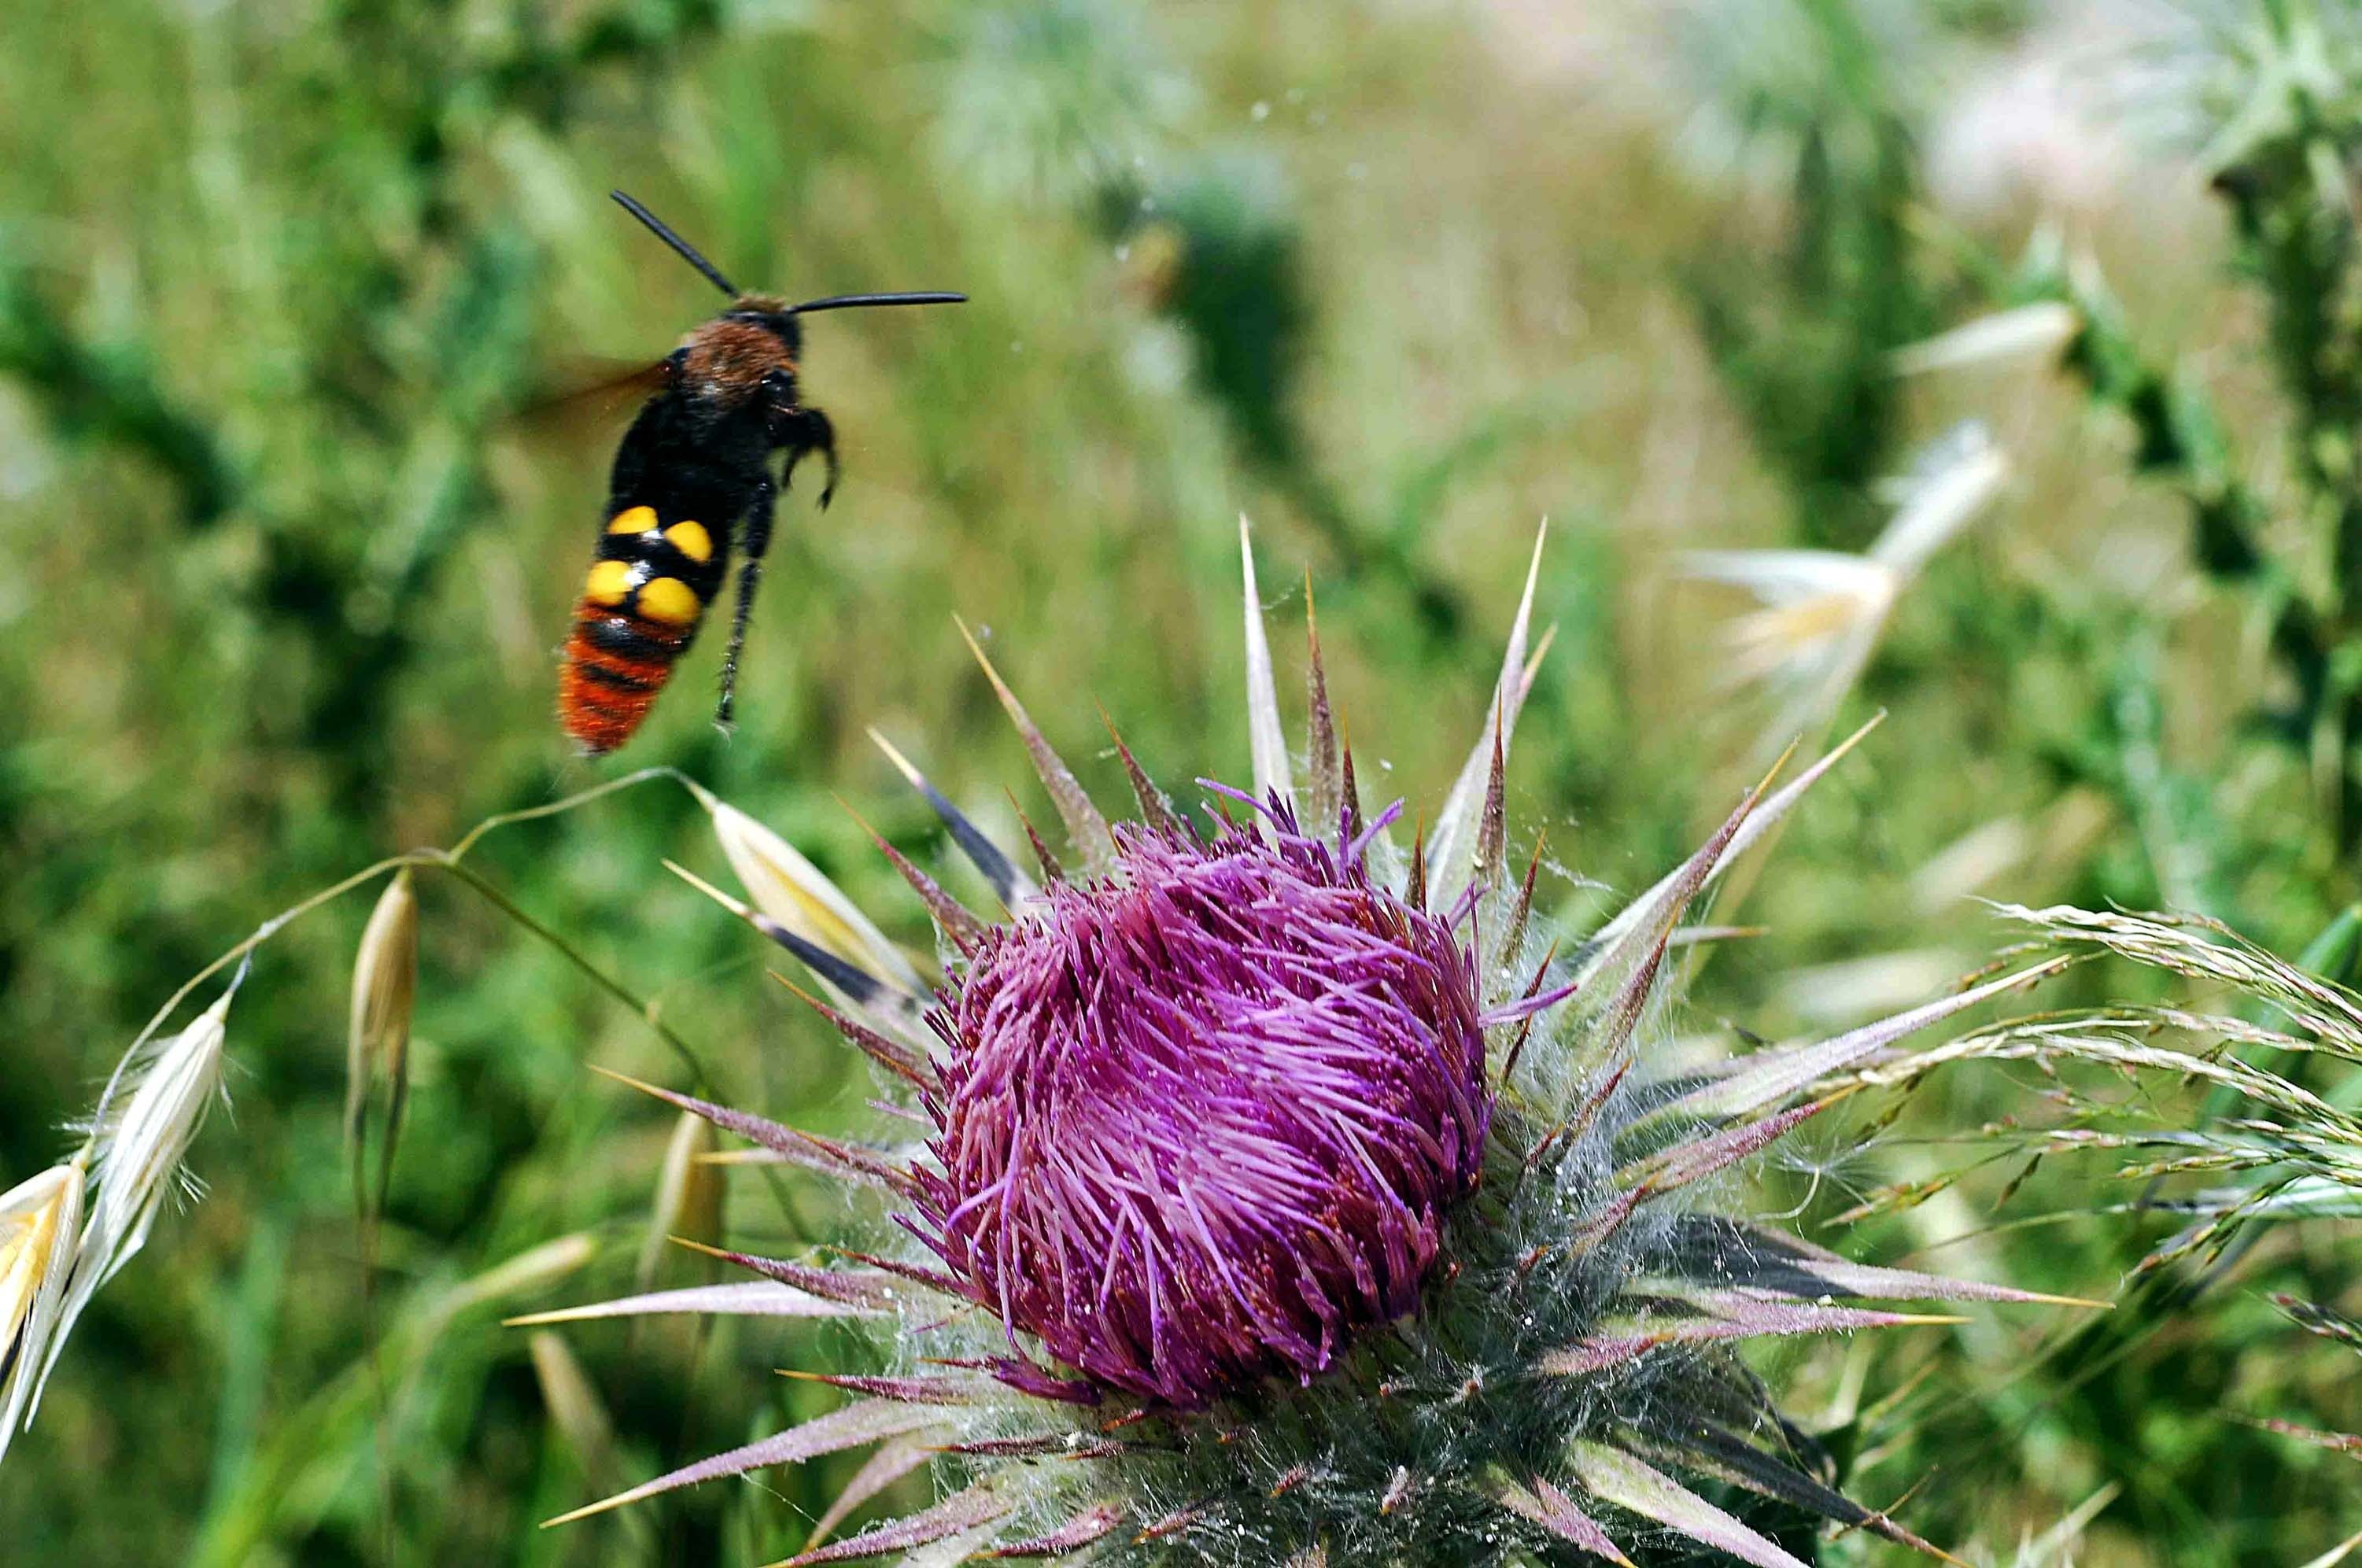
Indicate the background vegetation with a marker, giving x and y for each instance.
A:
(287, 559)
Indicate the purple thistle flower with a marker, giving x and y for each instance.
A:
(1200, 1120)
(1208, 1111)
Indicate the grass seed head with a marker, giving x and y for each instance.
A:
(689, 1195)
(789, 889)
(40, 1234)
(385, 997)
(147, 1117)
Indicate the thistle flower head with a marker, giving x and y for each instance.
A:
(1285, 1182)
(1200, 1120)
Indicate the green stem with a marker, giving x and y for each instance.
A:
(445, 858)
(449, 861)
(581, 798)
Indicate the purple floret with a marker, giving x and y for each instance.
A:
(1200, 1120)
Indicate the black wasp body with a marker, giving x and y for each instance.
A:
(693, 486)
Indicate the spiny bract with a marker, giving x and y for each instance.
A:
(1289, 1200)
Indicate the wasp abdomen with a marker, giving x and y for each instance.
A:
(642, 602)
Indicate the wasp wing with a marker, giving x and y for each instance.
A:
(592, 394)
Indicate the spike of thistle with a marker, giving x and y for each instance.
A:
(934, 1389)
(1543, 1503)
(1455, 824)
(1416, 895)
(801, 1148)
(894, 1460)
(1008, 883)
(1618, 1478)
(957, 923)
(1492, 837)
(1092, 1524)
(1084, 826)
(1349, 795)
(955, 1515)
(873, 1289)
(891, 1055)
(1323, 789)
(1513, 945)
(1155, 809)
(1052, 873)
(739, 1298)
(1267, 742)
(1760, 821)
(1526, 1023)
(849, 1427)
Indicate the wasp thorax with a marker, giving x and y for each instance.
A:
(732, 356)
(1202, 1119)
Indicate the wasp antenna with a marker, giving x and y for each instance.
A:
(687, 251)
(852, 301)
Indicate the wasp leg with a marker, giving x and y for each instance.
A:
(814, 434)
(757, 539)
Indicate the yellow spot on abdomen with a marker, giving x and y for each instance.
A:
(608, 583)
(633, 520)
(671, 600)
(691, 540)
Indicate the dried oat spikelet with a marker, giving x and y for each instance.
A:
(147, 1116)
(1821, 612)
(2022, 332)
(377, 1041)
(688, 1196)
(794, 904)
(40, 1228)
(574, 1406)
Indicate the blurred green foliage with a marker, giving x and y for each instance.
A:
(1819, 93)
(289, 557)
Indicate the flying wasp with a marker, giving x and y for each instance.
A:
(693, 484)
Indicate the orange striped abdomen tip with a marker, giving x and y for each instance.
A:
(614, 666)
